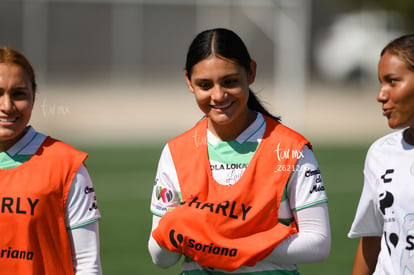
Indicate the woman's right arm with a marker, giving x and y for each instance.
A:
(366, 256)
(160, 256)
(368, 221)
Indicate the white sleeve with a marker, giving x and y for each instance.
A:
(160, 256)
(85, 249)
(305, 186)
(81, 206)
(166, 192)
(367, 221)
(313, 241)
(82, 216)
(165, 197)
(307, 200)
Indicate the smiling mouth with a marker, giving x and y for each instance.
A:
(4, 119)
(222, 107)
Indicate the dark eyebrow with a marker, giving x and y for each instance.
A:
(388, 76)
(20, 87)
(230, 75)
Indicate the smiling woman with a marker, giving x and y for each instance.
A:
(221, 89)
(17, 93)
(230, 178)
(49, 224)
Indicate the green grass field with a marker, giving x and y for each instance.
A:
(123, 179)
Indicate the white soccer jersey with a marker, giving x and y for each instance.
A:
(386, 206)
(305, 186)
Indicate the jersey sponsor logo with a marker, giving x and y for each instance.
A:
(317, 188)
(231, 166)
(233, 176)
(177, 239)
(10, 253)
(174, 238)
(386, 201)
(234, 210)
(90, 190)
(161, 208)
(310, 173)
(391, 238)
(398, 236)
(164, 194)
(407, 263)
(212, 248)
(25, 206)
(93, 206)
(387, 172)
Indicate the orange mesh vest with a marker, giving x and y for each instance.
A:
(224, 226)
(33, 236)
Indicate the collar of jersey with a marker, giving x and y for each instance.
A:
(28, 144)
(253, 133)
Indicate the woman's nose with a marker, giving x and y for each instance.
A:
(382, 94)
(6, 103)
(218, 93)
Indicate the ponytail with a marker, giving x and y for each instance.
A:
(254, 104)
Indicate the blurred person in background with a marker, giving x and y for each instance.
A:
(384, 220)
(48, 211)
(239, 192)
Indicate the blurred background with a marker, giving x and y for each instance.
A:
(111, 82)
(112, 70)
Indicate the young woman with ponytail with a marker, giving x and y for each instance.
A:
(239, 192)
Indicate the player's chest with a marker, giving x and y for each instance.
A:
(395, 187)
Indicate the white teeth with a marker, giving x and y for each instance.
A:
(3, 119)
(222, 107)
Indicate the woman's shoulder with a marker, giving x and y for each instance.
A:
(392, 138)
(387, 143)
(57, 147)
(198, 131)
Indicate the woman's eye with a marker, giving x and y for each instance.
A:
(20, 94)
(392, 81)
(231, 82)
(204, 85)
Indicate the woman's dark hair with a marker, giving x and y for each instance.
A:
(226, 44)
(403, 48)
(9, 55)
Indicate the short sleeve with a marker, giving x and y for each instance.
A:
(367, 221)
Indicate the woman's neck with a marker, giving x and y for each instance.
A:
(232, 131)
(408, 136)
